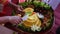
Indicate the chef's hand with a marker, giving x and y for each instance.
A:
(20, 11)
(20, 8)
(14, 19)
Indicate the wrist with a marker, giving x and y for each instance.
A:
(6, 18)
(3, 20)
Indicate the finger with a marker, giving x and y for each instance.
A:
(15, 22)
(20, 7)
(20, 20)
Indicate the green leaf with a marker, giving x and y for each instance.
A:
(36, 3)
(47, 6)
(42, 4)
(24, 4)
(28, 13)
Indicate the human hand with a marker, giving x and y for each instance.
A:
(20, 8)
(14, 19)
(20, 11)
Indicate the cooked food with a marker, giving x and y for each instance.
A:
(33, 19)
(40, 17)
(28, 10)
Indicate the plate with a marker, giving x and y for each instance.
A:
(40, 17)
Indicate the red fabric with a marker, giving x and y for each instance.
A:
(0, 1)
(7, 10)
(15, 1)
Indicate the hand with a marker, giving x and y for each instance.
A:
(20, 8)
(20, 11)
(15, 19)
